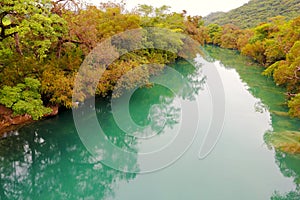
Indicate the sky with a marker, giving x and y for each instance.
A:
(193, 7)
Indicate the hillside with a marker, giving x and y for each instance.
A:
(254, 12)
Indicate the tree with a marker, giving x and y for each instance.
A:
(294, 105)
(230, 35)
(256, 51)
(31, 25)
(24, 99)
(243, 38)
(194, 26)
(214, 33)
(288, 72)
(255, 12)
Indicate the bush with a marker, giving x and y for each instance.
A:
(24, 99)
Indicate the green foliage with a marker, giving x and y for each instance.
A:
(275, 45)
(10, 95)
(57, 86)
(24, 99)
(214, 33)
(274, 51)
(32, 25)
(49, 41)
(255, 12)
(261, 33)
(161, 17)
(271, 41)
(287, 72)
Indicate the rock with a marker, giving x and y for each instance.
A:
(4, 110)
(20, 119)
(9, 122)
(54, 111)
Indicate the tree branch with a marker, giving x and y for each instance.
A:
(72, 41)
(10, 26)
(2, 37)
(290, 94)
(17, 44)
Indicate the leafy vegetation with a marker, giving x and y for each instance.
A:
(274, 44)
(255, 12)
(43, 43)
(24, 99)
(48, 40)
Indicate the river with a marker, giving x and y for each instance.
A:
(48, 159)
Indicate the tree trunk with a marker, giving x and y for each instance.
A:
(59, 46)
(17, 44)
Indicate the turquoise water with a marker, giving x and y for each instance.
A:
(47, 159)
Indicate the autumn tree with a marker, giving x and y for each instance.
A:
(230, 35)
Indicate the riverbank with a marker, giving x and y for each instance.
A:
(49, 153)
(10, 122)
(285, 133)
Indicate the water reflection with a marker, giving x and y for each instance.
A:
(260, 107)
(289, 167)
(156, 110)
(47, 160)
(158, 105)
(268, 94)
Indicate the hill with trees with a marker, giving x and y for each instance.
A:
(255, 12)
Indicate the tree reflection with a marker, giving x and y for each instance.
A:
(289, 167)
(268, 94)
(157, 107)
(47, 160)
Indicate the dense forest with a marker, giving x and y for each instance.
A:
(255, 12)
(43, 44)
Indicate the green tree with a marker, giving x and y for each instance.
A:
(24, 99)
(255, 12)
(214, 33)
(31, 25)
